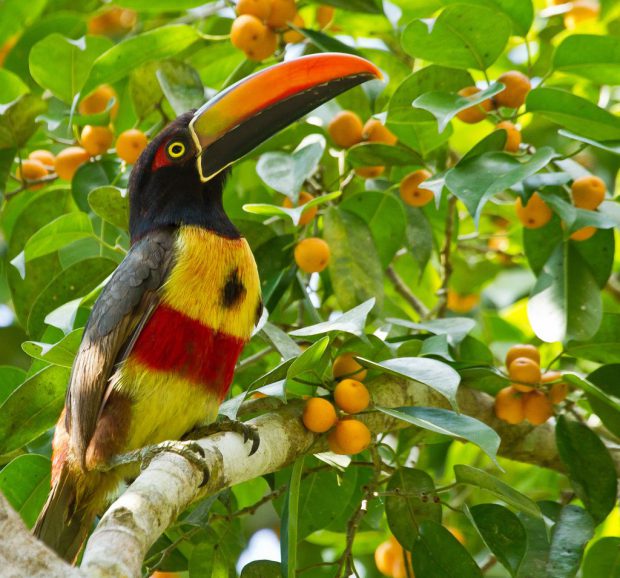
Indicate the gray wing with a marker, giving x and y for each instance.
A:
(124, 306)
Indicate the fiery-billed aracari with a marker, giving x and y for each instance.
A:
(160, 347)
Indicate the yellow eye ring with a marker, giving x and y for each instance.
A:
(176, 150)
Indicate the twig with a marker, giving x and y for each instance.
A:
(446, 264)
(254, 357)
(405, 292)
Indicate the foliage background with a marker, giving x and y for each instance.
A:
(60, 242)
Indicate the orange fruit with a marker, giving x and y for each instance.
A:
(258, 395)
(96, 139)
(259, 8)
(581, 11)
(535, 214)
(112, 22)
(256, 39)
(264, 48)
(312, 255)
(517, 87)
(292, 36)
(351, 436)
(375, 131)
(410, 191)
(351, 396)
(369, 172)
(477, 112)
(346, 366)
(324, 16)
(282, 12)
(46, 158)
(345, 129)
(31, 170)
(98, 100)
(509, 405)
(588, 192)
(462, 303)
(385, 556)
(319, 415)
(522, 350)
(583, 234)
(524, 372)
(307, 216)
(537, 407)
(69, 160)
(513, 136)
(130, 144)
(558, 390)
(7, 47)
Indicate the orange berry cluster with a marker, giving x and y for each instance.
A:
(587, 192)
(390, 559)
(346, 130)
(532, 394)
(348, 435)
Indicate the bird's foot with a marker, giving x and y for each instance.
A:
(225, 424)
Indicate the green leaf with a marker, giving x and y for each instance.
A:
(181, 85)
(444, 106)
(295, 213)
(437, 375)
(352, 322)
(455, 425)
(122, 58)
(290, 522)
(605, 378)
(463, 36)
(285, 346)
(371, 154)
(18, 120)
(481, 479)
(502, 532)
(574, 113)
(262, 569)
(17, 15)
(11, 86)
(603, 346)
(456, 328)
(603, 559)
(591, 56)
(25, 483)
(569, 537)
(90, 176)
(438, 554)
(609, 146)
(6, 162)
(592, 389)
(32, 408)
(111, 204)
(476, 180)
(591, 470)
(598, 252)
(61, 353)
(412, 501)
(367, 6)
(377, 209)
(325, 42)
(202, 560)
(285, 172)
(539, 244)
(310, 360)
(72, 62)
(160, 5)
(419, 236)
(537, 553)
(10, 379)
(566, 301)
(355, 267)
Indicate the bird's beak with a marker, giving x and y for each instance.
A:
(247, 113)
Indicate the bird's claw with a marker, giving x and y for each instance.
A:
(225, 424)
(191, 450)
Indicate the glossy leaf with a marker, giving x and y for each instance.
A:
(569, 537)
(294, 213)
(111, 204)
(371, 154)
(352, 321)
(594, 57)
(262, 569)
(18, 120)
(604, 345)
(603, 559)
(455, 328)
(605, 379)
(61, 353)
(181, 85)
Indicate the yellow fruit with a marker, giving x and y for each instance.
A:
(259, 8)
(96, 139)
(588, 192)
(112, 22)
(46, 158)
(130, 144)
(292, 36)
(345, 129)
(535, 214)
(375, 131)
(319, 415)
(509, 405)
(410, 191)
(346, 366)
(351, 396)
(304, 197)
(459, 303)
(581, 11)
(69, 160)
(513, 136)
(517, 87)
(31, 170)
(312, 255)
(477, 112)
(324, 16)
(558, 390)
(98, 100)
(351, 436)
(369, 172)
(522, 350)
(385, 556)
(537, 407)
(282, 12)
(256, 39)
(583, 234)
(525, 372)
(264, 48)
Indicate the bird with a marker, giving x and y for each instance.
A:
(159, 350)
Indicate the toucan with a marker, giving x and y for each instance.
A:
(160, 347)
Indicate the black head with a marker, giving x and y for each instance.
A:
(165, 189)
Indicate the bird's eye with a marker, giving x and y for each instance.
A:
(176, 149)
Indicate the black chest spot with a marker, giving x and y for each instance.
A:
(234, 291)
